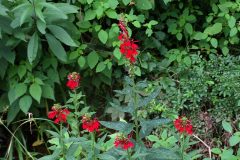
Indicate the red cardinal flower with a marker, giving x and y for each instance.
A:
(59, 114)
(128, 48)
(89, 124)
(73, 80)
(123, 142)
(183, 125)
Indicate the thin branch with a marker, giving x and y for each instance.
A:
(209, 148)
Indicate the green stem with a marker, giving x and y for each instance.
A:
(93, 144)
(135, 112)
(129, 154)
(182, 146)
(61, 140)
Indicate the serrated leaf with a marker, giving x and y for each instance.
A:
(25, 103)
(20, 89)
(22, 70)
(62, 35)
(48, 92)
(32, 47)
(35, 91)
(119, 126)
(92, 59)
(103, 36)
(56, 48)
(100, 67)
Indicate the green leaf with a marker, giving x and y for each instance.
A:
(126, 2)
(143, 4)
(166, 154)
(48, 92)
(41, 26)
(103, 36)
(117, 53)
(22, 70)
(147, 126)
(119, 126)
(225, 50)
(3, 67)
(200, 36)
(25, 103)
(92, 59)
(35, 91)
(39, 14)
(145, 101)
(81, 61)
(32, 47)
(215, 29)
(12, 112)
(137, 24)
(20, 89)
(233, 32)
(27, 12)
(216, 150)
(188, 28)
(227, 126)
(153, 138)
(62, 35)
(113, 4)
(137, 71)
(100, 67)
(111, 14)
(56, 48)
(232, 22)
(54, 10)
(214, 42)
(187, 61)
(234, 140)
(89, 15)
(6, 53)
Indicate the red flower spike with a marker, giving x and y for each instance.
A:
(128, 47)
(73, 80)
(59, 114)
(183, 125)
(89, 124)
(123, 142)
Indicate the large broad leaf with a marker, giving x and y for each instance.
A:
(144, 4)
(56, 48)
(67, 8)
(62, 35)
(162, 154)
(52, 9)
(6, 52)
(54, 156)
(92, 59)
(32, 47)
(12, 112)
(48, 92)
(214, 29)
(25, 103)
(35, 91)
(16, 92)
(147, 126)
(3, 10)
(119, 126)
(27, 13)
(103, 36)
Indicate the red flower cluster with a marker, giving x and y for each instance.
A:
(123, 142)
(90, 124)
(73, 80)
(182, 124)
(127, 47)
(59, 114)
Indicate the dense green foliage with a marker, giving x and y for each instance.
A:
(189, 59)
